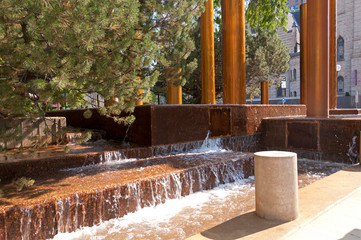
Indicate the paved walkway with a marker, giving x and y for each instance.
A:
(329, 209)
(340, 221)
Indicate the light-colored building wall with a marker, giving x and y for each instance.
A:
(349, 28)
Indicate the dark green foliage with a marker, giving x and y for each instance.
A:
(57, 51)
(266, 59)
(266, 55)
(267, 14)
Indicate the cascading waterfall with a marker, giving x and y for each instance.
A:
(186, 216)
(81, 209)
(352, 151)
(181, 173)
(139, 195)
(88, 209)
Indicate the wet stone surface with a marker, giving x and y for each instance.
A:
(84, 196)
(120, 188)
(184, 217)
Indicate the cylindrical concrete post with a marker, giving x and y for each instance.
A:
(276, 185)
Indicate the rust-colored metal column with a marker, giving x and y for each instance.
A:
(318, 58)
(333, 54)
(139, 102)
(207, 55)
(303, 53)
(174, 93)
(110, 102)
(264, 92)
(234, 52)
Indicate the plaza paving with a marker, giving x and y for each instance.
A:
(329, 209)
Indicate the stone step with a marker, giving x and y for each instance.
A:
(68, 199)
(15, 165)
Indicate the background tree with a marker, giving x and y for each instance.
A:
(266, 59)
(57, 51)
(266, 55)
(266, 14)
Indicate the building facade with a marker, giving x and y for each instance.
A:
(348, 54)
(294, 4)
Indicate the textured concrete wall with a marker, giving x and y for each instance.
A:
(27, 132)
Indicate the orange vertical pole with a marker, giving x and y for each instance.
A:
(318, 58)
(234, 57)
(333, 54)
(139, 102)
(303, 53)
(174, 93)
(110, 102)
(207, 55)
(265, 92)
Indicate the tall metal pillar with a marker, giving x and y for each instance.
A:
(333, 54)
(174, 93)
(318, 58)
(234, 52)
(303, 53)
(139, 102)
(207, 55)
(265, 92)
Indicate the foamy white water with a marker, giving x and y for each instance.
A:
(178, 218)
(186, 216)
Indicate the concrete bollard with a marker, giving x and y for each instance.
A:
(276, 184)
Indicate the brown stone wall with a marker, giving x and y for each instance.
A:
(256, 113)
(174, 124)
(169, 124)
(328, 138)
(27, 132)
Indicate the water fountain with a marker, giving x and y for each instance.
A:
(115, 185)
(118, 184)
(80, 191)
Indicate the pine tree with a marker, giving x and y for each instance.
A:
(266, 59)
(266, 55)
(57, 51)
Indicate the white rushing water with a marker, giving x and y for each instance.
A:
(183, 217)
(176, 217)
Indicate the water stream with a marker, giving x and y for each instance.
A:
(182, 216)
(164, 192)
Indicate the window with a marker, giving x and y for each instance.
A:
(295, 93)
(281, 90)
(340, 49)
(294, 74)
(290, 72)
(340, 84)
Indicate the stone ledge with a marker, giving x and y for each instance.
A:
(25, 132)
(169, 124)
